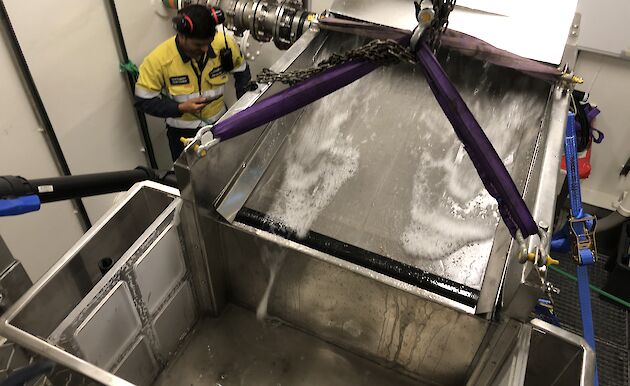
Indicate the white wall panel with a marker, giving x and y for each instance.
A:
(608, 80)
(71, 51)
(143, 29)
(320, 5)
(37, 239)
(604, 26)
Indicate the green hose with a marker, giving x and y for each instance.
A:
(172, 4)
(595, 289)
(131, 68)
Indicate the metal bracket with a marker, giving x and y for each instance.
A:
(571, 48)
(202, 141)
(583, 237)
(425, 16)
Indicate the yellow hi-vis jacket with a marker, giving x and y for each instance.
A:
(167, 72)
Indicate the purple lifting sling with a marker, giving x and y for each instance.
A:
(490, 168)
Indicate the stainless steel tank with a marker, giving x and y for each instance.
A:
(356, 229)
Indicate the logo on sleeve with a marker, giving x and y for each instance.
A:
(176, 80)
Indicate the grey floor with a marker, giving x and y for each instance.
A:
(236, 349)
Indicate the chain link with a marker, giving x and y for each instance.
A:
(385, 52)
(442, 9)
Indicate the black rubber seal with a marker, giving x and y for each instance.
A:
(364, 258)
(300, 29)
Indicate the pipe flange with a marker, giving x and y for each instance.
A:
(284, 36)
(249, 12)
(282, 21)
(295, 26)
(286, 17)
(230, 13)
(279, 13)
(270, 19)
(260, 14)
(239, 20)
(289, 23)
(302, 24)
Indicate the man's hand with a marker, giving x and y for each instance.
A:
(193, 105)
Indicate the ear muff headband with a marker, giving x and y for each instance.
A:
(183, 23)
(189, 22)
(215, 16)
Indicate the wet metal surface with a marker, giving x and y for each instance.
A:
(236, 349)
(366, 259)
(377, 165)
(366, 313)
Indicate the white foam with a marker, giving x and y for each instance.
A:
(319, 161)
(450, 209)
(273, 261)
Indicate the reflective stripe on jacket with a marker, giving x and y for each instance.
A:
(167, 72)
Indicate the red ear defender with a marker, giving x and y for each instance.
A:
(183, 24)
(214, 15)
(217, 16)
(189, 22)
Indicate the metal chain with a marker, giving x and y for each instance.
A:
(442, 9)
(380, 51)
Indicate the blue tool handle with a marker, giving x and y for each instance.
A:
(20, 205)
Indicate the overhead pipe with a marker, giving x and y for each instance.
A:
(281, 21)
(616, 218)
(40, 110)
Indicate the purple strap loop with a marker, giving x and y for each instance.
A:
(491, 169)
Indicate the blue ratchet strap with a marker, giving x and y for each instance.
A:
(580, 225)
